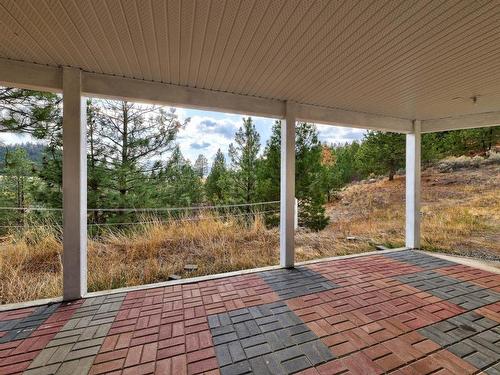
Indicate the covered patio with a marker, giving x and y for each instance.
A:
(406, 67)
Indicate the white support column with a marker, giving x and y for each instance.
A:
(413, 151)
(287, 215)
(74, 186)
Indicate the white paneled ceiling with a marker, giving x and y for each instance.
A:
(410, 59)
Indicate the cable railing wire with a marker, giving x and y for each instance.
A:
(30, 209)
(185, 220)
(152, 209)
(213, 210)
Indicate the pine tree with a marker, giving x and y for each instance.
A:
(30, 112)
(309, 178)
(459, 142)
(201, 165)
(15, 184)
(133, 135)
(243, 154)
(328, 178)
(97, 174)
(269, 169)
(34, 151)
(344, 169)
(49, 191)
(309, 174)
(382, 153)
(39, 115)
(217, 183)
(179, 183)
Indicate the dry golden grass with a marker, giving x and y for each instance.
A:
(157, 251)
(30, 263)
(30, 266)
(461, 215)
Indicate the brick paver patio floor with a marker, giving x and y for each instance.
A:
(400, 313)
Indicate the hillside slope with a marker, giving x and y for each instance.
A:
(460, 212)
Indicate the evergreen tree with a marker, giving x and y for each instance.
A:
(217, 185)
(308, 178)
(17, 171)
(97, 174)
(269, 169)
(328, 178)
(201, 165)
(459, 142)
(133, 135)
(30, 112)
(382, 153)
(243, 154)
(179, 182)
(34, 151)
(345, 169)
(39, 115)
(309, 174)
(15, 184)
(49, 191)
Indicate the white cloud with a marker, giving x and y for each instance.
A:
(337, 134)
(13, 138)
(208, 131)
(205, 134)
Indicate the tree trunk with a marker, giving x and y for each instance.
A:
(93, 183)
(123, 178)
(391, 174)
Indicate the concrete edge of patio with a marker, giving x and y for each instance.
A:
(490, 266)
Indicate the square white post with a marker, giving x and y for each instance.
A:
(287, 205)
(74, 186)
(413, 167)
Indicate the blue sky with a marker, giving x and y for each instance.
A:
(207, 131)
